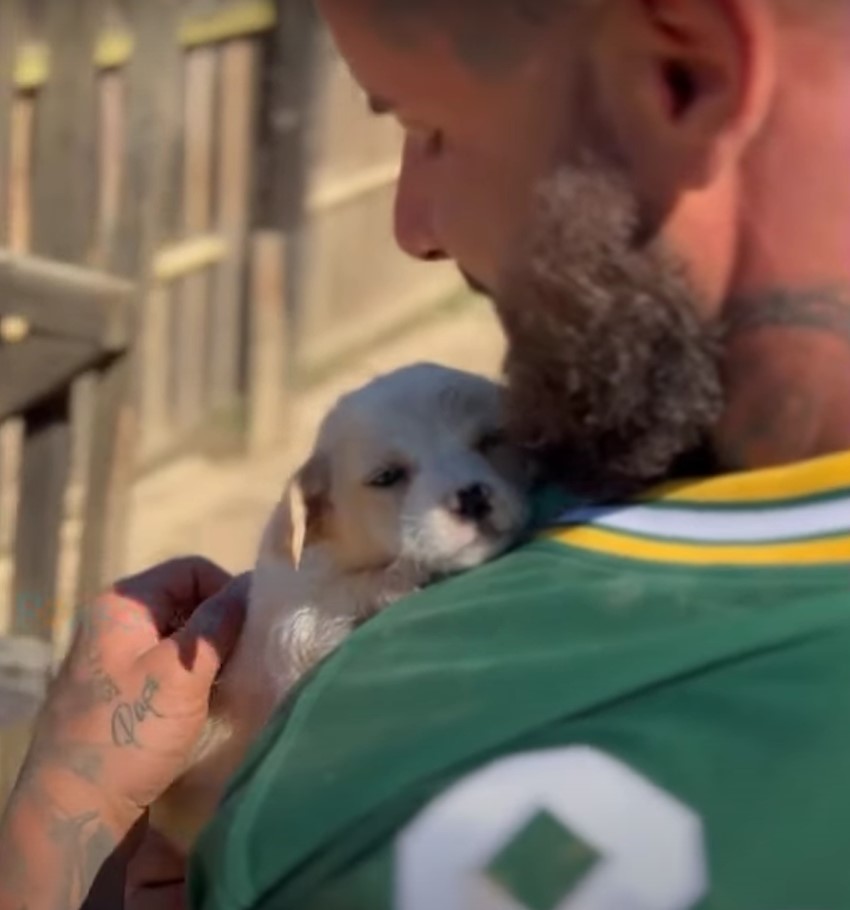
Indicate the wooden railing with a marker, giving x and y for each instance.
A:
(57, 323)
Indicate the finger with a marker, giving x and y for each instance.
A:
(141, 609)
(156, 864)
(209, 636)
(166, 595)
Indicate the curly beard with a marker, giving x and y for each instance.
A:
(612, 376)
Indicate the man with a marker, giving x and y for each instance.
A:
(646, 707)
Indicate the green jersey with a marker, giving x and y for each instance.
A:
(648, 708)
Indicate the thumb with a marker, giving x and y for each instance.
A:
(209, 636)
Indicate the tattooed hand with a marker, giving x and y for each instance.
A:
(119, 724)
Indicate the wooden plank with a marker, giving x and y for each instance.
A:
(233, 20)
(292, 83)
(111, 467)
(39, 367)
(331, 194)
(7, 44)
(10, 461)
(291, 88)
(46, 457)
(112, 153)
(14, 329)
(154, 179)
(117, 248)
(66, 300)
(66, 143)
(21, 141)
(237, 125)
(195, 254)
(190, 351)
(199, 120)
(32, 66)
(267, 379)
(154, 392)
(11, 196)
(32, 15)
(33, 61)
(114, 48)
(143, 104)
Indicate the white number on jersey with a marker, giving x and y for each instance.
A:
(562, 829)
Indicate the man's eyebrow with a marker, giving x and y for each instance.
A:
(379, 105)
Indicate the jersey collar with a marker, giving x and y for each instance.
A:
(794, 515)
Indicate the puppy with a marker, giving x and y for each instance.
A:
(411, 480)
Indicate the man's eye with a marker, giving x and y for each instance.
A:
(387, 478)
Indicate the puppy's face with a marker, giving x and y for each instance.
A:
(415, 469)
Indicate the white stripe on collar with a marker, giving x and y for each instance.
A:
(722, 526)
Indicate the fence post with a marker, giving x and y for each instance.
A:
(268, 411)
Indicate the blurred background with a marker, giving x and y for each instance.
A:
(196, 257)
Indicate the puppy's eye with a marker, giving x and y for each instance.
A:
(387, 478)
(493, 439)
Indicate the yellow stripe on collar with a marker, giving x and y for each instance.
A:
(827, 551)
(818, 477)
(796, 515)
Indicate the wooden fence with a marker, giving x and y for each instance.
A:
(217, 155)
(209, 166)
(138, 122)
(351, 283)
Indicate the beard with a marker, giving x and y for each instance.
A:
(612, 378)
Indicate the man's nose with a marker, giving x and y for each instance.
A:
(414, 208)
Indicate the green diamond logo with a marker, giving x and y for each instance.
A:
(542, 863)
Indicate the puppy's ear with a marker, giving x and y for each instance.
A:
(304, 509)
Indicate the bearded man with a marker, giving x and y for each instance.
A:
(645, 708)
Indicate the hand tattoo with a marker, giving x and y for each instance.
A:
(86, 844)
(126, 718)
(82, 842)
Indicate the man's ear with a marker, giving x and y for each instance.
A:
(684, 84)
(304, 508)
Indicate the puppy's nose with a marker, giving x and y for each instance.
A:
(473, 503)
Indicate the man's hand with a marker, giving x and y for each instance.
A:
(131, 701)
(119, 725)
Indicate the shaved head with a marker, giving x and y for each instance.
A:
(486, 33)
(482, 20)
(534, 11)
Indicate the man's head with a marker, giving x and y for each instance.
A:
(624, 178)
